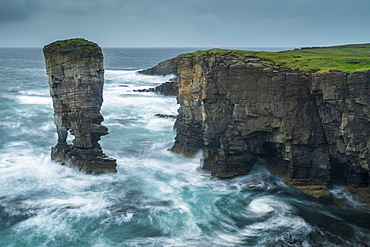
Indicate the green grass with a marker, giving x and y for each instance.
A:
(347, 58)
(77, 45)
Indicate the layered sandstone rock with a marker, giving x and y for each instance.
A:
(313, 129)
(76, 77)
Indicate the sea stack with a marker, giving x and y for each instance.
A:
(76, 78)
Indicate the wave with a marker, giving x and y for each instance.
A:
(34, 100)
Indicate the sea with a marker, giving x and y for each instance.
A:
(156, 198)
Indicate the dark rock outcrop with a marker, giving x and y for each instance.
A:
(168, 88)
(313, 129)
(76, 77)
(168, 67)
(160, 115)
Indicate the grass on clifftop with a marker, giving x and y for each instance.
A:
(347, 58)
(79, 45)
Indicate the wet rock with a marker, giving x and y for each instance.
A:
(315, 191)
(168, 88)
(339, 202)
(255, 184)
(165, 115)
(76, 77)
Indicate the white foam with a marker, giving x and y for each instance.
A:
(124, 218)
(17, 144)
(261, 205)
(278, 217)
(341, 193)
(34, 100)
(34, 97)
(39, 92)
(47, 127)
(134, 78)
(230, 239)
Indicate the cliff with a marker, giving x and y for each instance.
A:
(305, 111)
(76, 77)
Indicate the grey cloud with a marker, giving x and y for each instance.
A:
(187, 22)
(17, 10)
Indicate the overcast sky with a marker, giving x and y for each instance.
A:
(186, 23)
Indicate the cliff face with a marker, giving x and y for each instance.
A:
(314, 130)
(76, 77)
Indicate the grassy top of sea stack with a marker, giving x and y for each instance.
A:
(347, 58)
(78, 46)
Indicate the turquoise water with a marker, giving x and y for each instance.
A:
(156, 198)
